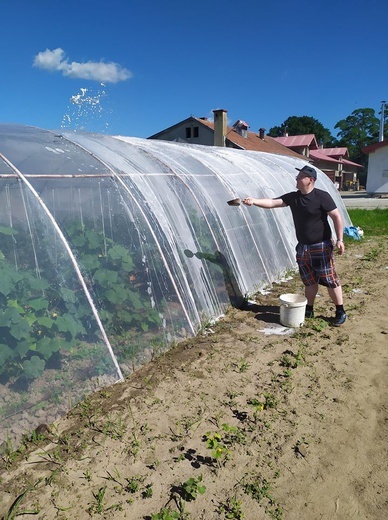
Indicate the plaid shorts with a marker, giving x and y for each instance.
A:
(316, 264)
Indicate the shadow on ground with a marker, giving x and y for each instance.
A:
(266, 313)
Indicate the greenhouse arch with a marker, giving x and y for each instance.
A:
(114, 248)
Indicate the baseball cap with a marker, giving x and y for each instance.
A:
(307, 170)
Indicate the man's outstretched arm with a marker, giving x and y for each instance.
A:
(264, 203)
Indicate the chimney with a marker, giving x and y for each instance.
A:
(241, 127)
(261, 133)
(219, 126)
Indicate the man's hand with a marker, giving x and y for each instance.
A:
(248, 201)
(341, 247)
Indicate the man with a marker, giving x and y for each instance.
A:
(310, 207)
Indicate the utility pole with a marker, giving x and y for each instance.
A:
(381, 135)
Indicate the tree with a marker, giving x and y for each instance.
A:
(296, 125)
(358, 130)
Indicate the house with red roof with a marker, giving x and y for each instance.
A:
(334, 162)
(377, 180)
(302, 144)
(202, 131)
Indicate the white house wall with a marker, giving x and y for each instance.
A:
(377, 181)
(178, 133)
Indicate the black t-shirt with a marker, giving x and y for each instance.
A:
(310, 214)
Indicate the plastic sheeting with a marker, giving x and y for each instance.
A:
(112, 249)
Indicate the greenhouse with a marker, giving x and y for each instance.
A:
(113, 249)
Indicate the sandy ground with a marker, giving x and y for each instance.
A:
(241, 422)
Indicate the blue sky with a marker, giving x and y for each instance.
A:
(135, 67)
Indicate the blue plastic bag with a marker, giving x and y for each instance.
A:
(353, 232)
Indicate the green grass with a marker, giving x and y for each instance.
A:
(374, 222)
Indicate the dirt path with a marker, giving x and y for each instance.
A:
(291, 426)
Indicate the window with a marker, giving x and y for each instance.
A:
(192, 132)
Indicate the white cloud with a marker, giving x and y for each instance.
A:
(97, 71)
(50, 60)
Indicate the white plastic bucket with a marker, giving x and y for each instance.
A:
(292, 309)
